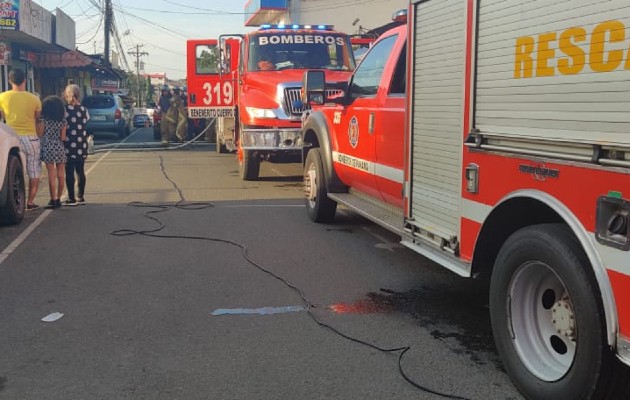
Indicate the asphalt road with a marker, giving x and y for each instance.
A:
(175, 282)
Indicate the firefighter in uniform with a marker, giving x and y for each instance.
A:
(176, 117)
(164, 104)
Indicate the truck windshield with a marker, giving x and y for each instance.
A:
(290, 50)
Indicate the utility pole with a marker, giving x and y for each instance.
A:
(108, 29)
(137, 53)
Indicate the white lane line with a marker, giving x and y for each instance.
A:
(14, 245)
(22, 237)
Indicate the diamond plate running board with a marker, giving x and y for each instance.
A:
(381, 213)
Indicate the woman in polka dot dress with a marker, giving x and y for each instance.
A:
(76, 145)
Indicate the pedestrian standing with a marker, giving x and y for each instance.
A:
(20, 109)
(77, 117)
(53, 151)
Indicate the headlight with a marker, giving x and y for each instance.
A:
(260, 112)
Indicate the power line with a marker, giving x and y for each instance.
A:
(183, 34)
(119, 44)
(200, 9)
(158, 47)
(185, 12)
(126, 30)
(96, 31)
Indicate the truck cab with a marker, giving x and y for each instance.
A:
(253, 87)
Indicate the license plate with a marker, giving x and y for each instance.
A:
(99, 117)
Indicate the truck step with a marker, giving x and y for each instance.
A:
(379, 212)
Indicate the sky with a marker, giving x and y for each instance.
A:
(161, 27)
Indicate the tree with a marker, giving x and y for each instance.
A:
(208, 60)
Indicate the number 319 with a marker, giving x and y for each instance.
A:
(219, 94)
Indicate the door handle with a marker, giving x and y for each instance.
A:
(371, 124)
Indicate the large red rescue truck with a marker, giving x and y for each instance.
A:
(495, 139)
(251, 83)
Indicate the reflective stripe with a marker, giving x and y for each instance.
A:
(613, 259)
(475, 211)
(380, 170)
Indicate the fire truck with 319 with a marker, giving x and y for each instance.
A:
(495, 140)
(251, 84)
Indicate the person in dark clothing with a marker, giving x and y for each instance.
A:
(76, 144)
(164, 102)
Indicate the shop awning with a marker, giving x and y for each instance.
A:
(67, 59)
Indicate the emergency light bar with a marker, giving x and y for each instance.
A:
(296, 26)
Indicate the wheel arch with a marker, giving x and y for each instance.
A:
(508, 217)
(317, 134)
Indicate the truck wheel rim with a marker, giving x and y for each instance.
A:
(310, 185)
(543, 321)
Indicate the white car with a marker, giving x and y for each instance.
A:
(13, 189)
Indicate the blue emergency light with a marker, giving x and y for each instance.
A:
(296, 26)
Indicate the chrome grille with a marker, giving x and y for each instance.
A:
(293, 104)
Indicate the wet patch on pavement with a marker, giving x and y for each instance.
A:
(458, 318)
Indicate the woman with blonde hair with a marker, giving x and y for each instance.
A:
(77, 117)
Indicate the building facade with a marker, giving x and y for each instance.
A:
(42, 43)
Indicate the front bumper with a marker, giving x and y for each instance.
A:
(272, 139)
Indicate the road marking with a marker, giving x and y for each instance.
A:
(258, 311)
(22, 237)
(14, 245)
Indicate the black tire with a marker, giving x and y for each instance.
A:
(157, 135)
(548, 319)
(249, 168)
(220, 147)
(13, 211)
(318, 206)
(127, 130)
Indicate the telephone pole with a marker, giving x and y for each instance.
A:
(137, 53)
(108, 30)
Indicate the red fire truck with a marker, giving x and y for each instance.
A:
(495, 139)
(251, 83)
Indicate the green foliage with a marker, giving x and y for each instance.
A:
(208, 60)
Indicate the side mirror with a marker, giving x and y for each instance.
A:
(314, 87)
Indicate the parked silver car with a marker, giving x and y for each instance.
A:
(12, 163)
(108, 113)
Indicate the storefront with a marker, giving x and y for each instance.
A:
(26, 32)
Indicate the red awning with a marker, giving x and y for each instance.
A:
(68, 59)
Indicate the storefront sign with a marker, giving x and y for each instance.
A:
(105, 84)
(9, 15)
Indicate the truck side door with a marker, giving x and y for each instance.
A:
(355, 125)
(390, 129)
(208, 93)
